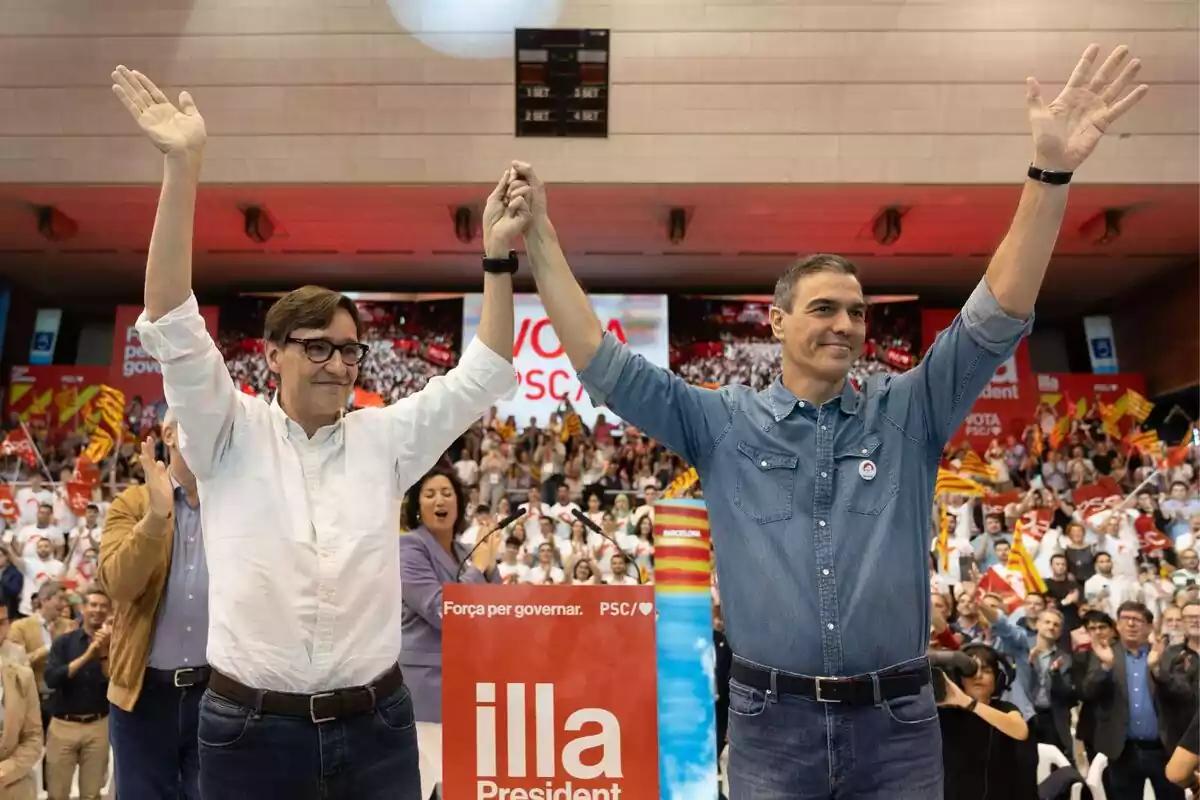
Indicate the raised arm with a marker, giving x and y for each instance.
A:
(964, 357)
(688, 419)
(131, 546)
(195, 380)
(427, 423)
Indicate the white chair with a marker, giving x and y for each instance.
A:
(1049, 757)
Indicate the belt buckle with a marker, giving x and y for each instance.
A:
(312, 708)
(820, 695)
(182, 672)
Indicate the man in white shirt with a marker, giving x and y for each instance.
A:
(25, 540)
(511, 568)
(85, 536)
(38, 568)
(563, 513)
(301, 502)
(31, 498)
(534, 510)
(1105, 591)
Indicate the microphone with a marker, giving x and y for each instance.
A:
(594, 528)
(504, 523)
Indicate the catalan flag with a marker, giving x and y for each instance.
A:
(973, 466)
(951, 483)
(1179, 453)
(682, 483)
(1021, 562)
(109, 406)
(1144, 441)
(1061, 429)
(1137, 405)
(943, 540)
(572, 427)
(1081, 408)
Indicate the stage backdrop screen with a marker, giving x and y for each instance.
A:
(546, 376)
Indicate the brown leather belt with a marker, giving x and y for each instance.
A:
(319, 707)
(81, 718)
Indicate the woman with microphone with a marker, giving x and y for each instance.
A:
(435, 513)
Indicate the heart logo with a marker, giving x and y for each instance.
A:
(645, 608)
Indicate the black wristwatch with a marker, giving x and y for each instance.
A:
(970, 707)
(501, 265)
(1052, 177)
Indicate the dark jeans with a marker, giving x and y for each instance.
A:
(1043, 731)
(155, 744)
(1125, 778)
(795, 748)
(245, 755)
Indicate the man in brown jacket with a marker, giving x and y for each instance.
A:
(21, 741)
(152, 565)
(38, 632)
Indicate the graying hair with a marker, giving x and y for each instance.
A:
(785, 287)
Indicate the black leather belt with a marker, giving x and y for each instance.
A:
(320, 707)
(82, 718)
(856, 690)
(184, 678)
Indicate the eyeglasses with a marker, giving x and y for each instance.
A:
(319, 351)
(1132, 620)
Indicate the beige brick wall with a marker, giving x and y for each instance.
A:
(811, 91)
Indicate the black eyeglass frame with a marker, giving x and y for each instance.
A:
(309, 344)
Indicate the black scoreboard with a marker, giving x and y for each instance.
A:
(562, 82)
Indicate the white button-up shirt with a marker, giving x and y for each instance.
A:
(302, 535)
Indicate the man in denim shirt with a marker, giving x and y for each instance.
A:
(820, 494)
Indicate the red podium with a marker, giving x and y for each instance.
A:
(548, 693)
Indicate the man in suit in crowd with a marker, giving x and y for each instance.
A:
(22, 737)
(38, 632)
(1122, 683)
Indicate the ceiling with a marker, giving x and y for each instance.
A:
(738, 238)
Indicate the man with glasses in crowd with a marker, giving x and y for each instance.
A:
(301, 501)
(1123, 684)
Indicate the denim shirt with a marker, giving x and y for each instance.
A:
(820, 515)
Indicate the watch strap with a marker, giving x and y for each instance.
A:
(971, 706)
(507, 265)
(1052, 177)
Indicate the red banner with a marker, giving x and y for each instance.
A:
(132, 370)
(8, 504)
(548, 692)
(54, 397)
(1007, 403)
(442, 356)
(1070, 387)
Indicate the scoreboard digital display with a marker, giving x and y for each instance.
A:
(562, 82)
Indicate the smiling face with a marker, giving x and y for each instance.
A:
(439, 505)
(825, 325)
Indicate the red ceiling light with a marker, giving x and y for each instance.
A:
(886, 227)
(54, 225)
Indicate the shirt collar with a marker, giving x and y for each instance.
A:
(783, 401)
(288, 428)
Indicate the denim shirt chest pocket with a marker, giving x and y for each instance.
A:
(868, 470)
(765, 483)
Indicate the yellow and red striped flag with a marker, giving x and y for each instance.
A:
(943, 540)
(1137, 405)
(1145, 441)
(572, 426)
(951, 483)
(973, 466)
(1021, 562)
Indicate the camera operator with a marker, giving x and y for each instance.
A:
(985, 745)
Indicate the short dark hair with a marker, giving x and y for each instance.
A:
(1096, 556)
(96, 588)
(1137, 608)
(307, 307)
(412, 499)
(512, 541)
(785, 287)
(1058, 555)
(1097, 617)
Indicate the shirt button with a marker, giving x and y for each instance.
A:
(821, 523)
(763, 464)
(830, 626)
(191, 597)
(801, 404)
(191, 566)
(189, 628)
(824, 474)
(824, 572)
(824, 428)
(864, 451)
(185, 661)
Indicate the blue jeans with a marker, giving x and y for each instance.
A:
(155, 744)
(787, 747)
(245, 755)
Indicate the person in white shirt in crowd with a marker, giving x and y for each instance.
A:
(493, 476)
(544, 570)
(534, 510)
(1010, 576)
(301, 502)
(1105, 591)
(83, 537)
(1188, 573)
(481, 518)
(619, 572)
(1117, 536)
(1178, 507)
(563, 513)
(512, 567)
(583, 573)
(26, 538)
(467, 469)
(31, 498)
(64, 516)
(646, 509)
(39, 568)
